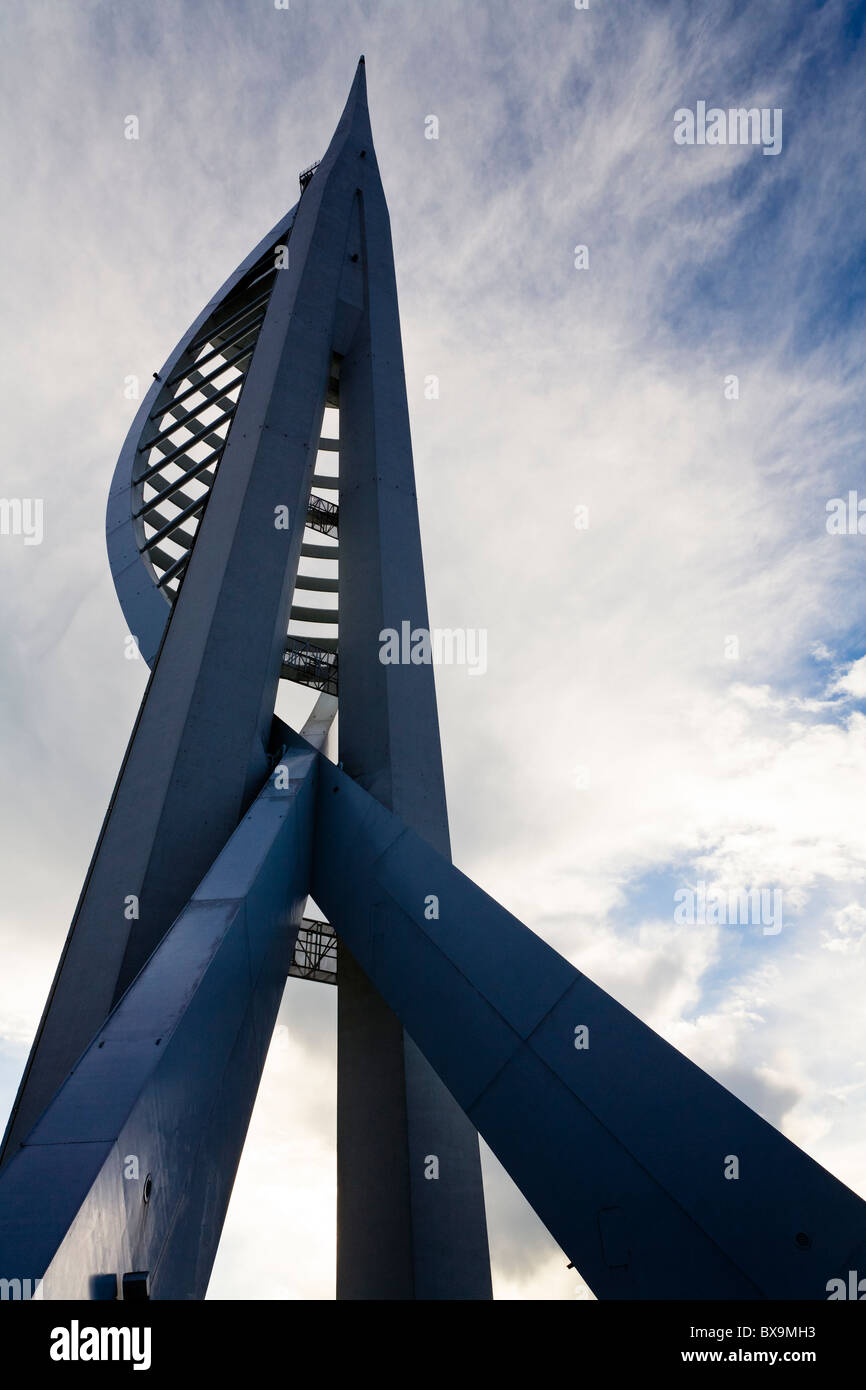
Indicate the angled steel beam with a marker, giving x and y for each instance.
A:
(622, 1146)
(131, 1166)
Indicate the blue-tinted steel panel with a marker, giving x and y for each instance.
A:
(619, 1142)
(166, 1088)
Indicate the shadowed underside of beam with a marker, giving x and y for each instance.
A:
(619, 1142)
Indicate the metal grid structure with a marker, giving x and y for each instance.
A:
(310, 665)
(310, 658)
(185, 436)
(306, 174)
(180, 450)
(315, 956)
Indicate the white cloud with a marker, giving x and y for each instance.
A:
(853, 681)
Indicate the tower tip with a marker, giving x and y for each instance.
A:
(355, 115)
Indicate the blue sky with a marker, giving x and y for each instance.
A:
(558, 388)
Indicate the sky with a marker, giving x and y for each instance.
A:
(675, 689)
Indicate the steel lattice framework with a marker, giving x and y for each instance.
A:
(170, 460)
